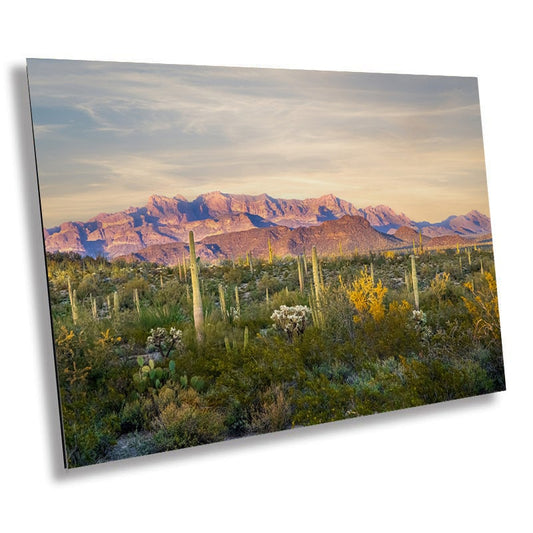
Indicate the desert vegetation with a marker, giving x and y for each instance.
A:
(153, 358)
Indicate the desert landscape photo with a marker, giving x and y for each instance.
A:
(237, 251)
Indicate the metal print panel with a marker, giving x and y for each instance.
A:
(235, 251)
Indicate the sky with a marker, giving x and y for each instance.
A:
(109, 135)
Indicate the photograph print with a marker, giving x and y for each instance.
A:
(238, 251)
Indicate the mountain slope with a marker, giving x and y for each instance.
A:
(349, 233)
(409, 235)
(384, 218)
(473, 223)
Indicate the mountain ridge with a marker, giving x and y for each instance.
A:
(164, 220)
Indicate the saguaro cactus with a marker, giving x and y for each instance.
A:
(316, 273)
(249, 262)
(116, 303)
(93, 307)
(246, 338)
(198, 312)
(415, 282)
(300, 273)
(222, 298)
(318, 283)
(237, 301)
(73, 303)
(69, 291)
(184, 267)
(270, 255)
(74, 307)
(136, 300)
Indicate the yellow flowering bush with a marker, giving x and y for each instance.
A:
(367, 297)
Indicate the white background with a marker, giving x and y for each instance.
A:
(462, 466)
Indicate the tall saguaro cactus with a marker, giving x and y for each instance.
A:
(116, 303)
(249, 262)
(237, 301)
(415, 282)
(316, 273)
(69, 291)
(300, 272)
(73, 302)
(74, 306)
(270, 255)
(136, 300)
(198, 312)
(222, 298)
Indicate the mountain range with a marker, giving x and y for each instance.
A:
(229, 225)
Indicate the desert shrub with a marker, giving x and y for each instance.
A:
(88, 437)
(320, 400)
(88, 285)
(138, 283)
(273, 361)
(337, 311)
(380, 387)
(482, 304)
(439, 380)
(288, 298)
(173, 292)
(233, 276)
(367, 297)
(491, 361)
(269, 282)
(131, 417)
(237, 418)
(92, 394)
(439, 285)
(273, 412)
(188, 422)
(395, 333)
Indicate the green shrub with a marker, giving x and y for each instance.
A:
(320, 400)
(131, 417)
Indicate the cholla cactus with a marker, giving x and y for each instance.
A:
(234, 314)
(419, 317)
(420, 320)
(164, 341)
(292, 320)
